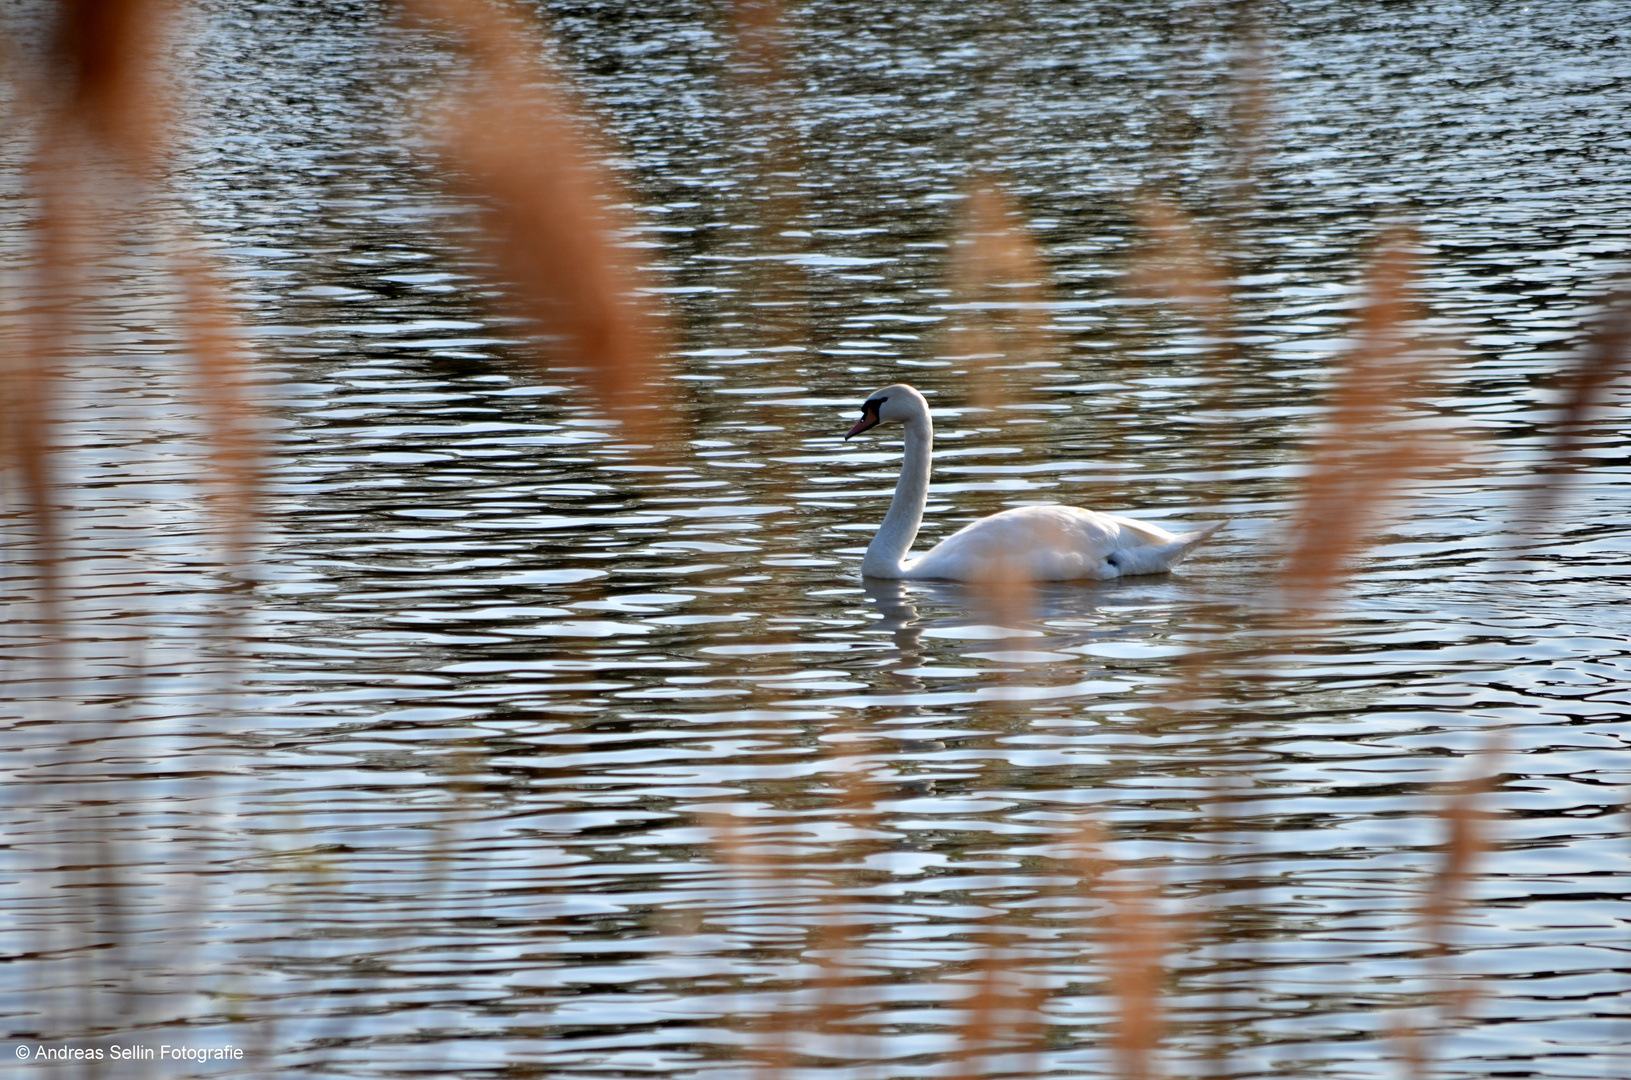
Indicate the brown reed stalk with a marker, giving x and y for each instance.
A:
(1136, 953)
(772, 1054)
(101, 105)
(29, 389)
(1134, 941)
(1004, 1011)
(837, 938)
(1177, 263)
(778, 284)
(1005, 594)
(1367, 453)
(758, 42)
(1369, 448)
(998, 285)
(222, 359)
(1604, 357)
(92, 101)
(92, 110)
(514, 139)
(115, 81)
(978, 1034)
(1467, 840)
(1250, 106)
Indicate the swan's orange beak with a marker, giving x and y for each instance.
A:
(868, 420)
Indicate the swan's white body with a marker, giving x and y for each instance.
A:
(1030, 543)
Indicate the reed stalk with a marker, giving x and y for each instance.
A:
(92, 99)
(1371, 445)
(515, 141)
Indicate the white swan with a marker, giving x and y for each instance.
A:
(1030, 543)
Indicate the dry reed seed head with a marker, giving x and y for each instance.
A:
(998, 280)
(116, 79)
(759, 31)
(1135, 951)
(550, 210)
(1004, 1008)
(214, 338)
(1603, 357)
(1466, 840)
(1176, 263)
(1371, 444)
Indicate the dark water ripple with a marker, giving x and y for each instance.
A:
(553, 755)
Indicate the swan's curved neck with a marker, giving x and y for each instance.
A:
(887, 552)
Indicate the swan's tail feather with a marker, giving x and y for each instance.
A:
(1159, 558)
(1193, 540)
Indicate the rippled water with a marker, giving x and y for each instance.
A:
(549, 756)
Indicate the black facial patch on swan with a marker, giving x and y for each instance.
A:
(869, 417)
(1114, 559)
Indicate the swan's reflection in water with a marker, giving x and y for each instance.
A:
(1065, 643)
(898, 612)
(1072, 610)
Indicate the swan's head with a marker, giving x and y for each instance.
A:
(900, 403)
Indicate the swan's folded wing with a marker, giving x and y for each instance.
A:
(1143, 530)
(1036, 543)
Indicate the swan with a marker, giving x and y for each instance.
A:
(1029, 543)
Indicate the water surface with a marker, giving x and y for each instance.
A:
(545, 753)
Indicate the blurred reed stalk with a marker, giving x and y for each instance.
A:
(552, 212)
(1372, 445)
(517, 143)
(1604, 357)
(1136, 956)
(88, 107)
(776, 289)
(1447, 893)
(778, 285)
(1132, 941)
(999, 287)
(835, 941)
(96, 111)
(215, 339)
(1250, 111)
(91, 106)
(1176, 264)
(999, 291)
(1004, 1013)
